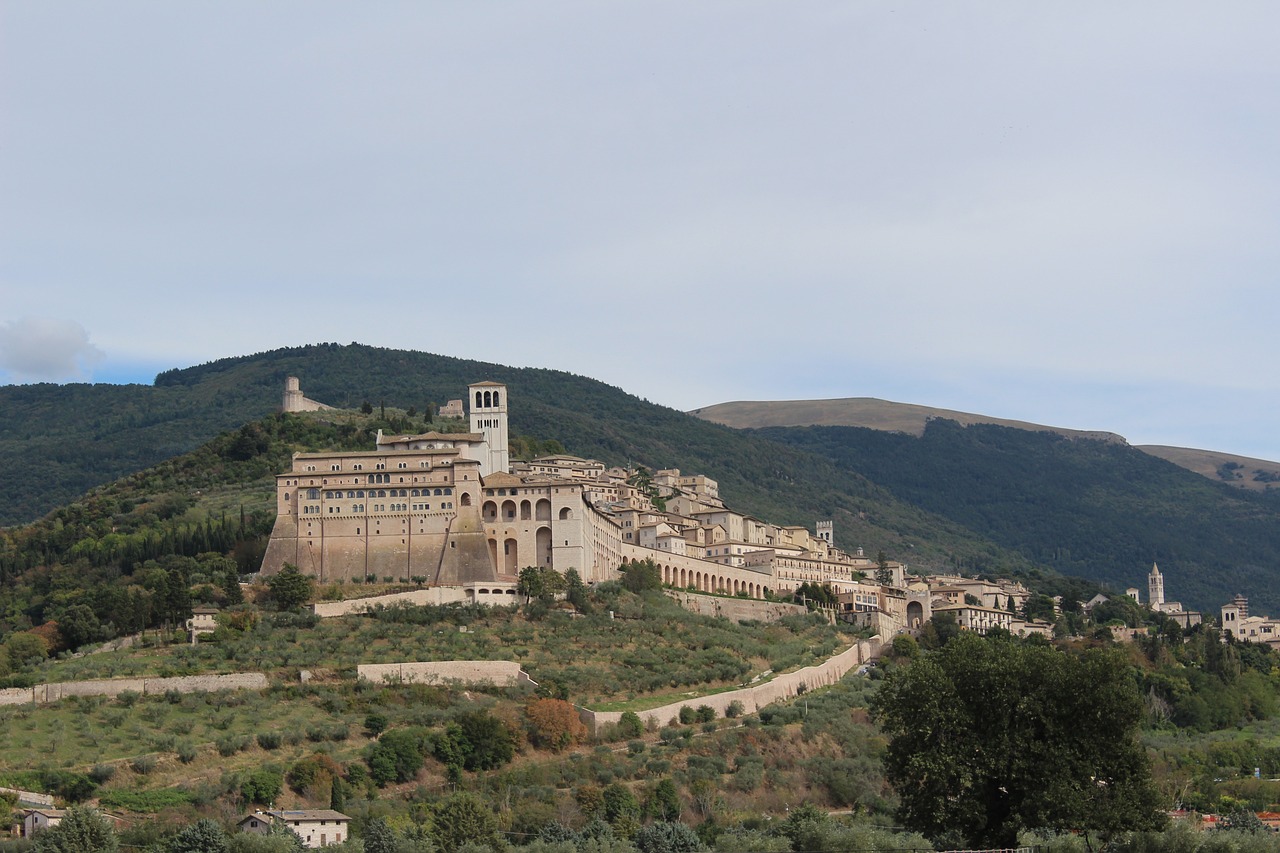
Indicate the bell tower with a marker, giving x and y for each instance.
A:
(488, 405)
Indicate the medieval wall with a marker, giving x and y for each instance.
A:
(754, 698)
(497, 672)
(42, 693)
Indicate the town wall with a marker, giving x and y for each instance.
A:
(753, 698)
(736, 609)
(500, 595)
(43, 693)
(500, 673)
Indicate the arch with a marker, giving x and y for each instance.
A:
(496, 402)
(542, 511)
(415, 493)
(511, 556)
(509, 510)
(487, 399)
(493, 553)
(526, 510)
(478, 398)
(465, 500)
(489, 511)
(915, 614)
(542, 546)
(566, 513)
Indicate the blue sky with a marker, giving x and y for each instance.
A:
(1058, 213)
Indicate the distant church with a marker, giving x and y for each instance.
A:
(442, 507)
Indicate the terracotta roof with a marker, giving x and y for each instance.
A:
(434, 436)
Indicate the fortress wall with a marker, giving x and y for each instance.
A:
(737, 609)
(29, 797)
(115, 686)
(497, 672)
(754, 698)
(712, 576)
(432, 595)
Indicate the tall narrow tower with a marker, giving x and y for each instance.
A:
(1155, 588)
(488, 404)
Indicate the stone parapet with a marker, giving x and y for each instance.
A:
(499, 673)
(44, 693)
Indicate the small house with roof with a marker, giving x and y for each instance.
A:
(316, 827)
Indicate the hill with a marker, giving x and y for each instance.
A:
(872, 413)
(1096, 509)
(868, 412)
(992, 500)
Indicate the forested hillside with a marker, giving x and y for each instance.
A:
(983, 498)
(1101, 510)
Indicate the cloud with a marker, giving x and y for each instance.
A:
(43, 349)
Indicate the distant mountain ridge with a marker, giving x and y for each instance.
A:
(874, 413)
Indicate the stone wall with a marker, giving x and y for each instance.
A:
(754, 698)
(30, 798)
(500, 673)
(737, 609)
(115, 686)
(431, 595)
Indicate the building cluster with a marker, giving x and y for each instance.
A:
(315, 828)
(452, 509)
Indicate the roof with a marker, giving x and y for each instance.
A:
(501, 478)
(296, 814)
(473, 437)
(487, 384)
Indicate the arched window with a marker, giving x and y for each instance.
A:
(466, 499)
(495, 399)
(360, 493)
(477, 399)
(566, 513)
(313, 494)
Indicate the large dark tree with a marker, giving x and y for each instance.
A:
(991, 737)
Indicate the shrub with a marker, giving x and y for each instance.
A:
(734, 710)
(262, 786)
(102, 773)
(706, 713)
(143, 764)
(554, 724)
(270, 740)
(629, 725)
(186, 752)
(687, 715)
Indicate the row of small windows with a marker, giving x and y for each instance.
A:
(314, 494)
(487, 399)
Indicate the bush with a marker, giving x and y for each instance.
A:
(734, 710)
(262, 786)
(687, 715)
(186, 752)
(629, 725)
(102, 773)
(143, 764)
(706, 713)
(270, 740)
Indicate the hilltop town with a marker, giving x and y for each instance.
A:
(451, 509)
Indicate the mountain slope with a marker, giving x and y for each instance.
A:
(1241, 471)
(784, 485)
(1100, 510)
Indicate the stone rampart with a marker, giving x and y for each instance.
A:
(736, 609)
(500, 673)
(43, 693)
(432, 595)
(754, 698)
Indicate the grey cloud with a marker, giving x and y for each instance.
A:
(44, 349)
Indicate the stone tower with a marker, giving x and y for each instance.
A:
(1155, 588)
(825, 532)
(489, 418)
(292, 395)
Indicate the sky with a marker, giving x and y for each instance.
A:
(1065, 213)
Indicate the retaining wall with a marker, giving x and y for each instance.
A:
(500, 673)
(431, 595)
(754, 698)
(30, 798)
(42, 693)
(737, 609)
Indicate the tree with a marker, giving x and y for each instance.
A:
(554, 724)
(462, 818)
(665, 803)
(379, 837)
(639, 575)
(884, 574)
(575, 590)
(82, 829)
(290, 588)
(540, 582)
(203, 836)
(990, 737)
(667, 837)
